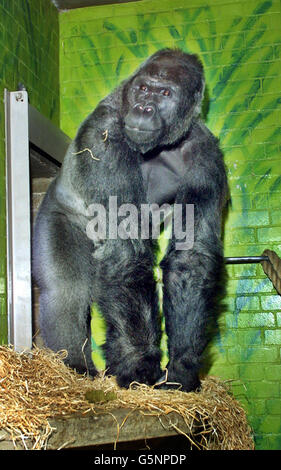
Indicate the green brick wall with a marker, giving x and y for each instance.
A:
(29, 53)
(239, 43)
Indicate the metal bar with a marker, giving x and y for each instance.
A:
(18, 220)
(245, 259)
(46, 136)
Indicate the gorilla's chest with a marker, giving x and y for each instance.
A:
(162, 174)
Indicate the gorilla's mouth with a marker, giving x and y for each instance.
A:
(141, 135)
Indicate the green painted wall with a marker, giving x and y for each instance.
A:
(239, 43)
(29, 53)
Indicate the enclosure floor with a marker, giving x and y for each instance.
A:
(101, 432)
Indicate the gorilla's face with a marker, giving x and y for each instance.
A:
(160, 100)
(153, 104)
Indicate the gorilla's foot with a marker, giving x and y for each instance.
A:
(146, 370)
(186, 381)
(81, 368)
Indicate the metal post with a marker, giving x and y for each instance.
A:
(245, 259)
(18, 220)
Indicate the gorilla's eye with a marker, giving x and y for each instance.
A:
(166, 92)
(143, 87)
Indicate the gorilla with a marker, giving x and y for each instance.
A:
(143, 144)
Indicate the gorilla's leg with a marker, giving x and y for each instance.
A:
(192, 282)
(127, 299)
(65, 324)
(62, 266)
(189, 307)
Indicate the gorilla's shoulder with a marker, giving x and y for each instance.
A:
(202, 133)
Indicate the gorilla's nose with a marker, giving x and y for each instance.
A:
(148, 109)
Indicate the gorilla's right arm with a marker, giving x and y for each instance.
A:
(72, 272)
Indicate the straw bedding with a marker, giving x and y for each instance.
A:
(36, 386)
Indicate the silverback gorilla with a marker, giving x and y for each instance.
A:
(143, 144)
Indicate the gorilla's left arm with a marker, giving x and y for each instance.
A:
(192, 277)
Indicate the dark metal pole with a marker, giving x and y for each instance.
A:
(245, 259)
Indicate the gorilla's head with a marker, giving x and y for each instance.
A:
(161, 98)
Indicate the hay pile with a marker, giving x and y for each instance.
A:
(37, 386)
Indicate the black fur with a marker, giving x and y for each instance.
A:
(138, 131)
